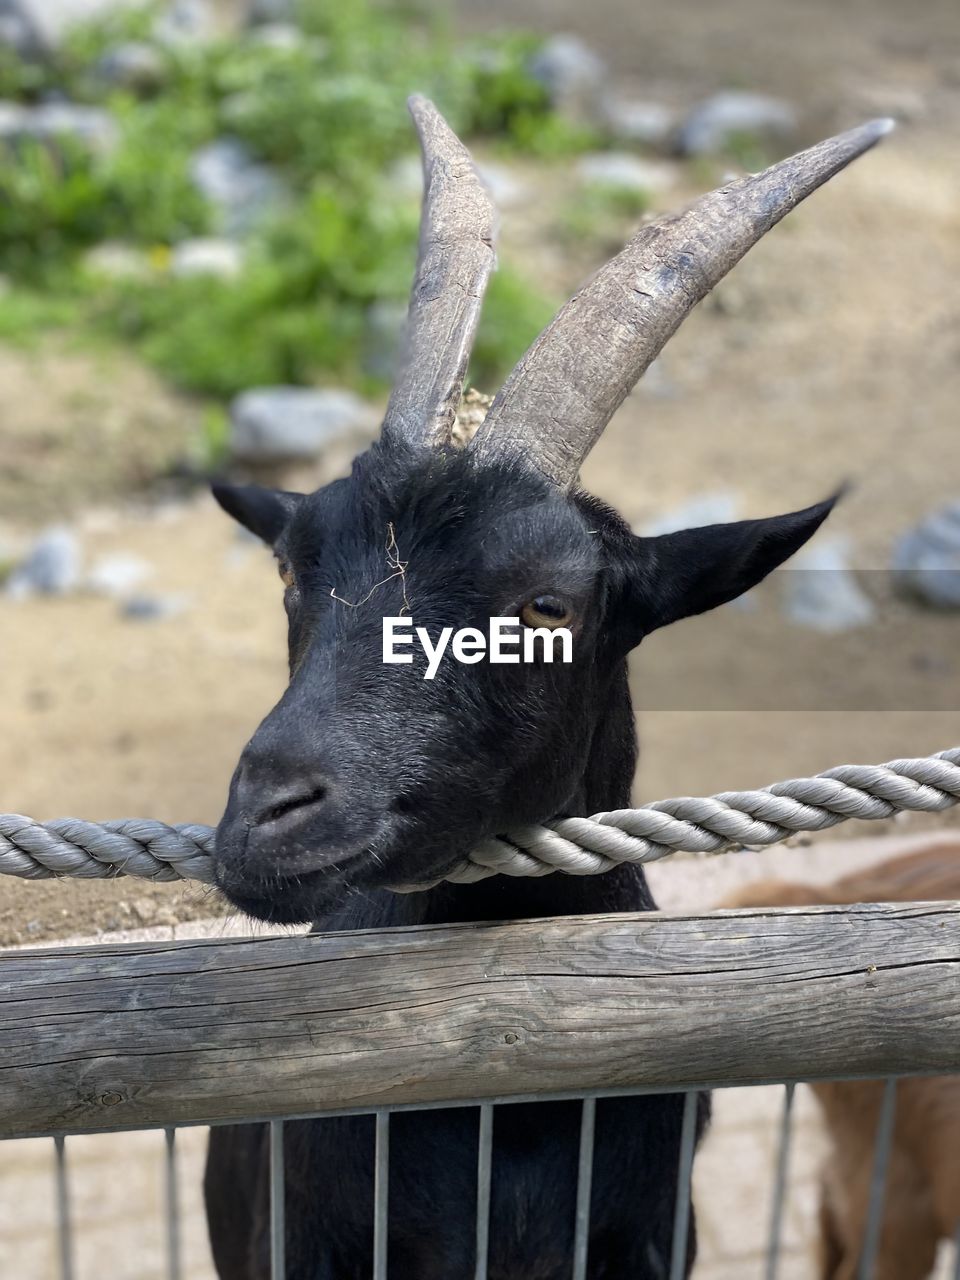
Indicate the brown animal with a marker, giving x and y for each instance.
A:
(922, 1199)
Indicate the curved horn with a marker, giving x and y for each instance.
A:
(556, 403)
(456, 257)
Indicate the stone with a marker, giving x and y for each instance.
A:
(148, 608)
(279, 35)
(719, 507)
(574, 76)
(242, 190)
(18, 32)
(38, 27)
(136, 65)
(14, 121)
(405, 177)
(295, 424)
(113, 260)
(635, 120)
(711, 124)
(926, 559)
(91, 127)
(51, 567)
(506, 187)
(626, 171)
(821, 591)
(207, 256)
(117, 575)
(383, 329)
(184, 22)
(272, 12)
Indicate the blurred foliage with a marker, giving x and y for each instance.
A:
(749, 150)
(327, 113)
(601, 213)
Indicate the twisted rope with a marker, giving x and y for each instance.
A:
(577, 846)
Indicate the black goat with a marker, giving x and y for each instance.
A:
(367, 775)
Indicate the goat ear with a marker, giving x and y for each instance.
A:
(681, 574)
(265, 512)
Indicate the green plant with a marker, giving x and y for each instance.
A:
(212, 446)
(58, 198)
(600, 214)
(328, 114)
(513, 315)
(749, 150)
(26, 312)
(501, 99)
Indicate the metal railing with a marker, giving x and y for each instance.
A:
(882, 1148)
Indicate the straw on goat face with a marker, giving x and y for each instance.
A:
(346, 787)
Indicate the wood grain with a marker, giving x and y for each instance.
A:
(135, 1036)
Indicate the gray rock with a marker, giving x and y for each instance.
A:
(270, 12)
(18, 32)
(295, 424)
(279, 35)
(821, 591)
(629, 172)
(505, 185)
(37, 27)
(183, 22)
(926, 560)
(649, 124)
(91, 127)
(14, 121)
(51, 566)
(242, 190)
(383, 330)
(137, 66)
(117, 575)
(405, 177)
(719, 507)
(573, 75)
(711, 124)
(115, 261)
(207, 256)
(144, 608)
(657, 383)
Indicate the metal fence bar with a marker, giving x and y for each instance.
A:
(780, 1183)
(64, 1233)
(878, 1181)
(581, 1231)
(381, 1193)
(174, 1268)
(681, 1219)
(484, 1176)
(278, 1191)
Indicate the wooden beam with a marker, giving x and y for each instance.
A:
(136, 1036)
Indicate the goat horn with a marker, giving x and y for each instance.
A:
(456, 257)
(556, 403)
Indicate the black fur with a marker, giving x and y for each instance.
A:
(366, 775)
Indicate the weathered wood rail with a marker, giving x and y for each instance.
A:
(136, 1036)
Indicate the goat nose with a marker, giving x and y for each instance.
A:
(275, 792)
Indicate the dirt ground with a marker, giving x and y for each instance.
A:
(832, 353)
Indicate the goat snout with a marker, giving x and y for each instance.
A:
(276, 797)
(300, 824)
(292, 815)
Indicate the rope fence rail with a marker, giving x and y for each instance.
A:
(153, 850)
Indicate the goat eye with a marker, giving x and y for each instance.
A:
(546, 611)
(286, 573)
